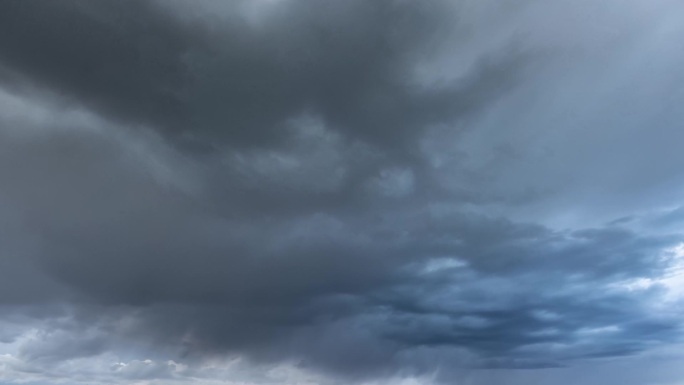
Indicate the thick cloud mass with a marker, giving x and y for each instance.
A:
(341, 192)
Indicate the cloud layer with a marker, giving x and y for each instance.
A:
(280, 192)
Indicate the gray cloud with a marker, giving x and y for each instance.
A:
(335, 192)
(232, 80)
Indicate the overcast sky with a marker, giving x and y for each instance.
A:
(341, 192)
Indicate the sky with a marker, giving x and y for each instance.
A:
(386, 192)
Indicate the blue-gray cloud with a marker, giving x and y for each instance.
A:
(352, 191)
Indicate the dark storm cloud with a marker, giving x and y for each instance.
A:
(348, 62)
(121, 57)
(344, 293)
(354, 216)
